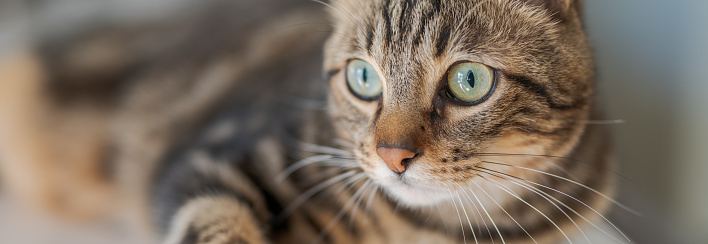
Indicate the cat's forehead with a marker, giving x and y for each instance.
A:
(401, 33)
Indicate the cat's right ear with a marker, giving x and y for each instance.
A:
(560, 9)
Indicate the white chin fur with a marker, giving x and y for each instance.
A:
(414, 196)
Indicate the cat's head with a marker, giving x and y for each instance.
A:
(434, 92)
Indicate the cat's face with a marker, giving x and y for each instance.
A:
(431, 92)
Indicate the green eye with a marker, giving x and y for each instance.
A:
(470, 82)
(363, 80)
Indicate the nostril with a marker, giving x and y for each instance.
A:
(396, 158)
(407, 161)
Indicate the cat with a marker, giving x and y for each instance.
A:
(446, 122)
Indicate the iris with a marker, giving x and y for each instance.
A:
(363, 80)
(470, 82)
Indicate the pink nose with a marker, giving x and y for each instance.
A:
(394, 157)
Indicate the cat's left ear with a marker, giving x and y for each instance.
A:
(560, 9)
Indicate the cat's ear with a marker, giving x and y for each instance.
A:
(560, 9)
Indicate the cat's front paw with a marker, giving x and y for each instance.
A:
(220, 234)
(214, 220)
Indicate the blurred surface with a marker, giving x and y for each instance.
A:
(651, 56)
(20, 224)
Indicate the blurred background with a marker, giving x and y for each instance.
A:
(652, 58)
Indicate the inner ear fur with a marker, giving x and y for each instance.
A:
(560, 9)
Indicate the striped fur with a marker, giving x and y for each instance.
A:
(221, 134)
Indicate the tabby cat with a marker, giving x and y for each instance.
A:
(446, 121)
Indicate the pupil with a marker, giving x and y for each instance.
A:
(470, 78)
(364, 75)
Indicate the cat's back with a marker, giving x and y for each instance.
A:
(129, 88)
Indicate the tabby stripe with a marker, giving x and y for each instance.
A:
(424, 22)
(377, 114)
(272, 203)
(418, 36)
(317, 227)
(404, 28)
(208, 233)
(192, 235)
(443, 40)
(542, 91)
(204, 181)
(437, 5)
(532, 128)
(494, 130)
(369, 37)
(387, 21)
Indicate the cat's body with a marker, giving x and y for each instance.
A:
(203, 130)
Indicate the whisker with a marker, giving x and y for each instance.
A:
(541, 194)
(565, 171)
(467, 217)
(430, 214)
(351, 182)
(324, 174)
(308, 161)
(489, 216)
(510, 192)
(603, 122)
(574, 182)
(330, 47)
(447, 232)
(341, 213)
(476, 220)
(316, 189)
(358, 203)
(324, 149)
(507, 213)
(350, 17)
(361, 28)
(351, 38)
(344, 143)
(569, 196)
(372, 195)
(458, 216)
(553, 156)
(531, 155)
(480, 216)
(310, 147)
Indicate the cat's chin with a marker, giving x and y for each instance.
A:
(416, 196)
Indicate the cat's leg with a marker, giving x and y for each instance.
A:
(200, 200)
(214, 219)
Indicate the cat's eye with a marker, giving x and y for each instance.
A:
(363, 80)
(470, 82)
